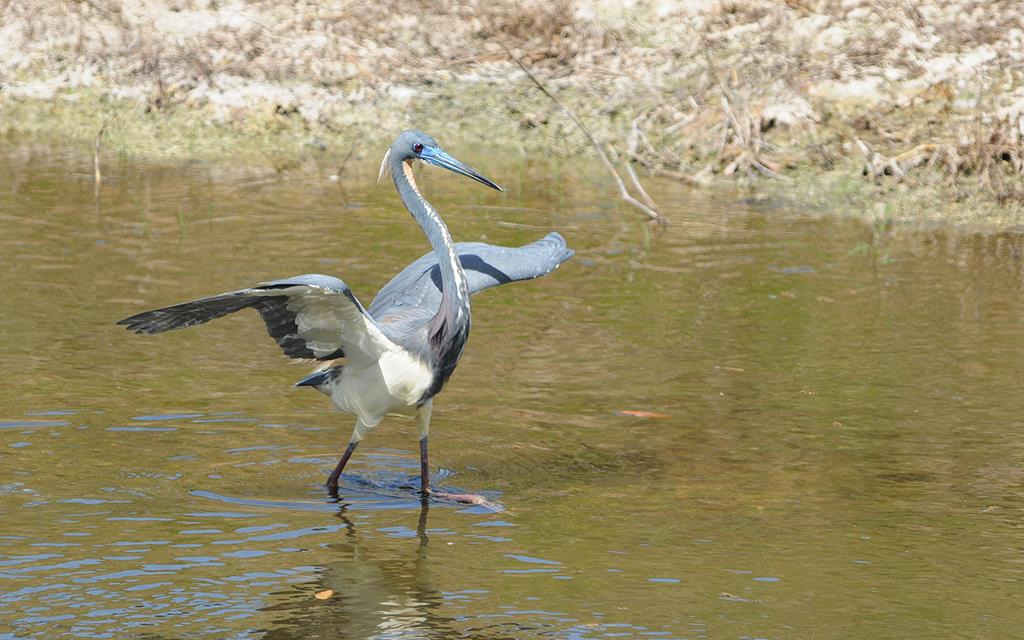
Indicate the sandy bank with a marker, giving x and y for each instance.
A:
(905, 110)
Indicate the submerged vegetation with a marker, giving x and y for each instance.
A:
(914, 106)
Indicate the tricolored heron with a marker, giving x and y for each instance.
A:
(399, 352)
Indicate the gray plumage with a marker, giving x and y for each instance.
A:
(418, 286)
(401, 350)
(274, 308)
(398, 309)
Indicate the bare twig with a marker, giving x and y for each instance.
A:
(634, 141)
(97, 174)
(651, 212)
(98, 7)
(344, 161)
(679, 175)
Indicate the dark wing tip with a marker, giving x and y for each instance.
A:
(186, 314)
(140, 323)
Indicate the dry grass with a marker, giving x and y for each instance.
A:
(911, 94)
(988, 156)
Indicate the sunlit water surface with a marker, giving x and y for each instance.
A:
(835, 449)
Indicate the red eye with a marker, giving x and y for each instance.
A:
(417, 148)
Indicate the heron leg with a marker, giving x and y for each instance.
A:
(332, 481)
(423, 428)
(357, 434)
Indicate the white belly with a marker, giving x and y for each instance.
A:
(393, 384)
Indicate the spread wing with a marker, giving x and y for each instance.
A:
(309, 316)
(418, 286)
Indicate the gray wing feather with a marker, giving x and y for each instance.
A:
(418, 286)
(309, 316)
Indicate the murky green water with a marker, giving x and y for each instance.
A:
(842, 457)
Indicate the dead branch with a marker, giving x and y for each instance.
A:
(650, 210)
(97, 174)
(634, 141)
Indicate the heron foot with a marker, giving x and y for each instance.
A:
(461, 498)
(332, 491)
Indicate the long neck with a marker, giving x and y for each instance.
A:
(454, 309)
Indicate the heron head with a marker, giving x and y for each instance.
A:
(415, 145)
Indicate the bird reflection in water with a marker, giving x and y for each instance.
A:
(375, 596)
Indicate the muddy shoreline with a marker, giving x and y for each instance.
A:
(894, 113)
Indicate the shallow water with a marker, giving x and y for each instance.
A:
(835, 448)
